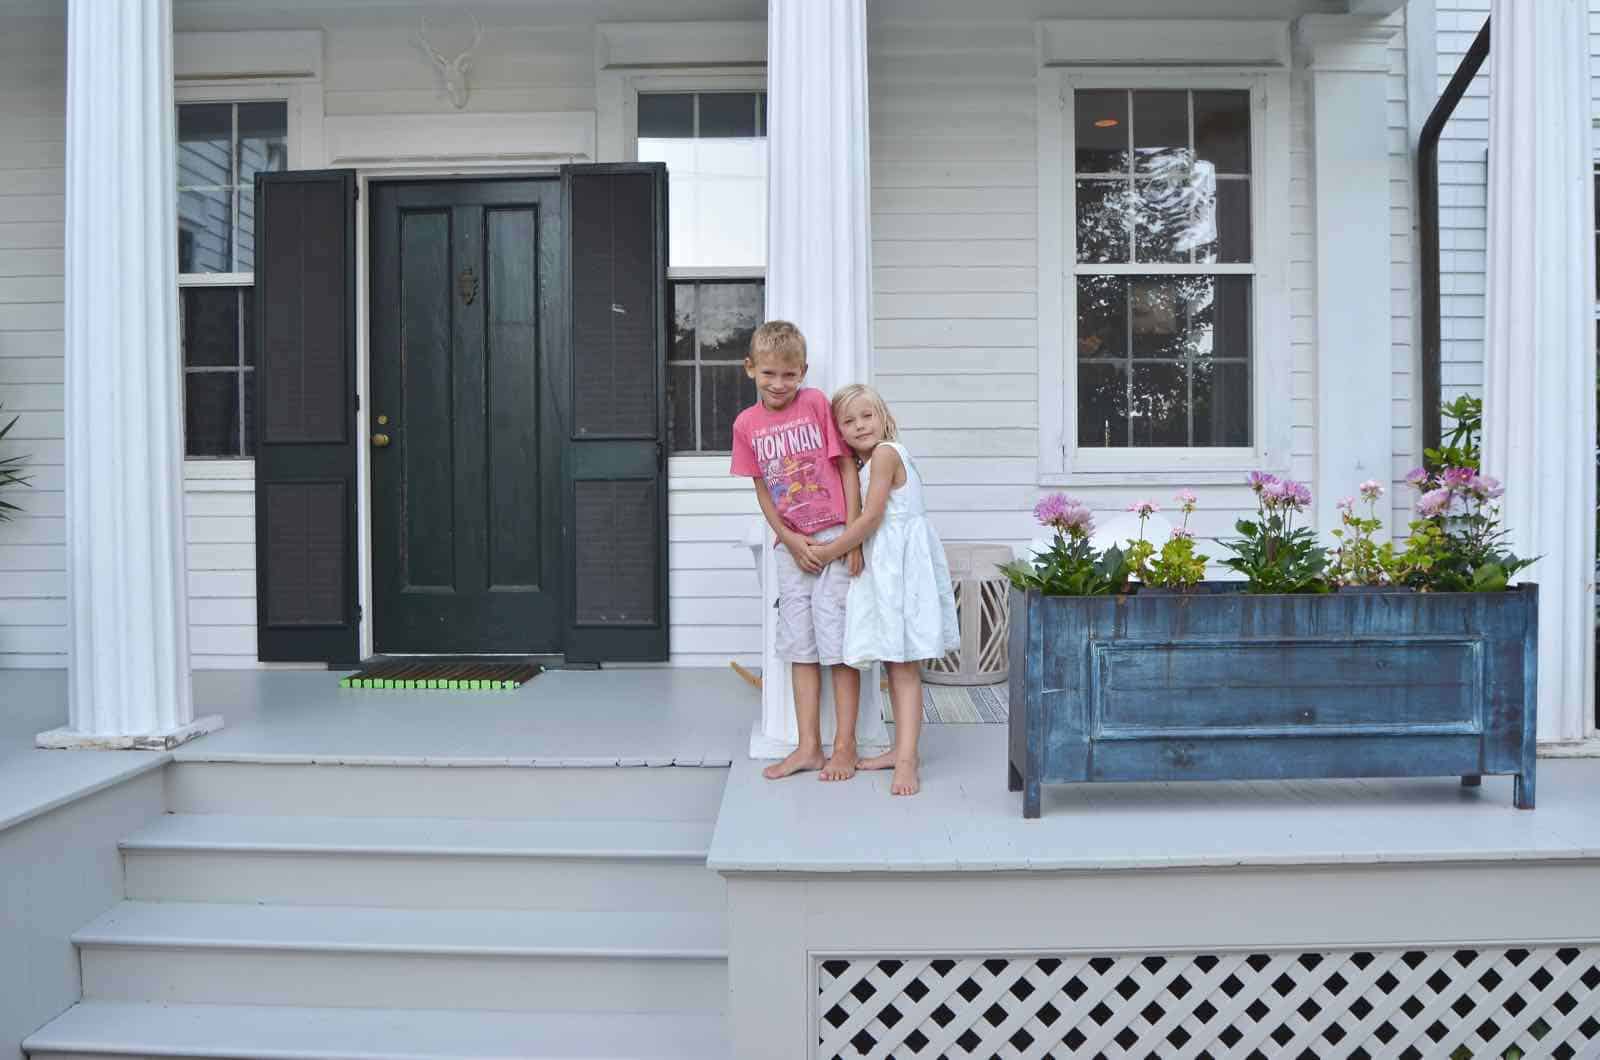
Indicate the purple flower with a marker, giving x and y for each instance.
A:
(1064, 513)
(1182, 533)
(1434, 503)
(1371, 490)
(1260, 480)
(1417, 477)
(1273, 491)
(1487, 487)
(1185, 497)
(1348, 504)
(1457, 478)
(1144, 509)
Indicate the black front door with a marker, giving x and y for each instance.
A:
(466, 471)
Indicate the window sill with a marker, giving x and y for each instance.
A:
(1162, 466)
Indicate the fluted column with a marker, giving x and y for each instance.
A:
(129, 664)
(819, 272)
(1539, 377)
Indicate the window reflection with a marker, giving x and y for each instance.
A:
(715, 148)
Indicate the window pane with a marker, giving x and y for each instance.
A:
(1102, 316)
(725, 391)
(683, 319)
(205, 231)
(249, 386)
(263, 148)
(210, 326)
(1160, 127)
(725, 114)
(680, 407)
(247, 309)
(1222, 130)
(205, 145)
(1232, 226)
(1160, 404)
(1100, 121)
(1221, 403)
(1176, 212)
(211, 413)
(728, 317)
(1104, 221)
(666, 115)
(1102, 406)
(1230, 317)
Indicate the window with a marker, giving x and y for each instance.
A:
(1162, 279)
(221, 148)
(714, 145)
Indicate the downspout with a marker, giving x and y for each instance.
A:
(1428, 209)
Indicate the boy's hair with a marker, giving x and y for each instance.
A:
(850, 391)
(780, 339)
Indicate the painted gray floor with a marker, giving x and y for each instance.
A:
(965, 819)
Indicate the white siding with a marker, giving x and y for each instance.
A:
(1463, 176)
(33, 606)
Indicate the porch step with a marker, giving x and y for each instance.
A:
(579, 792)
(361, 957)
(468, 863)
(96, 1029)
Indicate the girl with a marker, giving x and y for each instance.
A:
(901, 610)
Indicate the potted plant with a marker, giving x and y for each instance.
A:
(1177, 568)
(11, 475)
(1275, 676)
(1359, 561)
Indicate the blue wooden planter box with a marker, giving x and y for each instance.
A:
(1223, 685)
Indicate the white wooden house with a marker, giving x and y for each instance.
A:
(447, 384)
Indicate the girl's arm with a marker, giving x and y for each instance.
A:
(885, 465)
(804, 553)
(851, 477)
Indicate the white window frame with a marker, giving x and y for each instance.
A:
(1061, 460)
(625, 91)
(303, 104)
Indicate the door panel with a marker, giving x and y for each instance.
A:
(465, 294)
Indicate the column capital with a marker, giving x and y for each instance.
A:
(1353, 44)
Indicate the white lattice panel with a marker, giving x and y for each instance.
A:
(1454, 1004)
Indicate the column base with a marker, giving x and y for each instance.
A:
(72, 740)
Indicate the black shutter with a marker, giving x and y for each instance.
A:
(616, 481)
(306, 607)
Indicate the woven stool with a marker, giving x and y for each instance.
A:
(982, 611)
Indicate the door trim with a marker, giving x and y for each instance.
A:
(393, 172)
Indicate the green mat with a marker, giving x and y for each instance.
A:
(450, 675)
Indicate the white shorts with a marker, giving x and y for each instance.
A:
(811, 607)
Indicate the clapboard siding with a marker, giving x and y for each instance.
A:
(1404, 335)
(33, 581)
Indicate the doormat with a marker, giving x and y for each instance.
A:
(961, 704)
(449, 676)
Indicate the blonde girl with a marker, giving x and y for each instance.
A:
(901, 610)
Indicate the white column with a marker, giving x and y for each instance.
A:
(1539, 371)
(128, 674)
(819, 272)
(1347, 73)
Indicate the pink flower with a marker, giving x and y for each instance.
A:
(1371, 490)
(1079, 521)
(1185, 497)
(1182, 533)
(1487, 487)
(1348, 504)
(1144, 509)
(1417, 477)
(1434, 503)
(1273, 491)
(1457, 478)
(1064, 513)
(1300, 493)
(1260, 480)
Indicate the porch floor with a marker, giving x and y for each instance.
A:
(965, 819)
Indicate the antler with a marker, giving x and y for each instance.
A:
(422, 42)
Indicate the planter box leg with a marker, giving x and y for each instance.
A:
(1013, 778)
(1522, 791)
(1472, 780)
(1030, 799)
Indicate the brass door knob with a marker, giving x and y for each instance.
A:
(380, 440)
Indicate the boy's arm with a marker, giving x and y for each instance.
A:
(851, 476)
(798, 547)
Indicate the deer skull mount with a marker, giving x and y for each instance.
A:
(454, 71)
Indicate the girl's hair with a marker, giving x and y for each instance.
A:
(849, 392)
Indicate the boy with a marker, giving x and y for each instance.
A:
(808, 488)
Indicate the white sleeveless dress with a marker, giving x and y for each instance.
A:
(902, 608)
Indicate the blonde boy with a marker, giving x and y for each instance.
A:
(808, 488)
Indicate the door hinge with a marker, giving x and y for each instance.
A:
(360, 615)
(358, 402)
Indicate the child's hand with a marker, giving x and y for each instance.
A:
(805, 554)
(856, 561)
(824, 551)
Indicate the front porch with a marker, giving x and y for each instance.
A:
(372, 864)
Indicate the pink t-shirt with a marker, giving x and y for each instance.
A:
(793, 450)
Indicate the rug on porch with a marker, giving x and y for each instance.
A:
(450, 675)
(961, 704)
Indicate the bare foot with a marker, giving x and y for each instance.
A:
(906, 781)
(883, 761)
(841, 765)
(799, 761)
